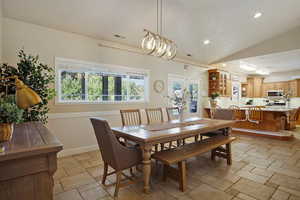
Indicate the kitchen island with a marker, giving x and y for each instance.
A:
(275, 123)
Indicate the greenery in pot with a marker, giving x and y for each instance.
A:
(9, 112)
(38, 77)
(214, 95)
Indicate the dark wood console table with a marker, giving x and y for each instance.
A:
(28, 163)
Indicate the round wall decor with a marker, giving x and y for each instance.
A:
(159, 86)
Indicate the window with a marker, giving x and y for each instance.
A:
(94, 83)
(176, 82)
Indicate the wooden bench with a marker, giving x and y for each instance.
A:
(181, 154)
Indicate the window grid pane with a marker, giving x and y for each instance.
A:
(101, 87)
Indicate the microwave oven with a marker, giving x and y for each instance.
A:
(275, 93)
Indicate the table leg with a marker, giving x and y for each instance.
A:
(147, 167)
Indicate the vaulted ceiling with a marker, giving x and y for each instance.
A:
(229, 25)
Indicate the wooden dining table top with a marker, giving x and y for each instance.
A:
(171, 130)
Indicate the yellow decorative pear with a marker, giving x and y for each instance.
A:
(25, 96)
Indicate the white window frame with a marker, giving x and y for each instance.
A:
(62, 64)
(186, 83)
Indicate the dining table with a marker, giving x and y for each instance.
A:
(146, 136)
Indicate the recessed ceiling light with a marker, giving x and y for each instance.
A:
(206, 42)
(119, 36)
(257, 15)
(224, 65)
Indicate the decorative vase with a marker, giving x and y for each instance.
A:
(213, 103)
(6, 131)
(181, 117)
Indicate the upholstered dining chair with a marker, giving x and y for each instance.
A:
(114, 154)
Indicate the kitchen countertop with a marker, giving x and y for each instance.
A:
(271, 109)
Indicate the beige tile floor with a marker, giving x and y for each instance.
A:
(263, 169)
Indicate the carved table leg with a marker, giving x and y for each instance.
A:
(146, 167)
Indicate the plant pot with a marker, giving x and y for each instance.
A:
(6, 131)
(213, 103)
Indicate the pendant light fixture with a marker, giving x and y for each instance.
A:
(154, 43)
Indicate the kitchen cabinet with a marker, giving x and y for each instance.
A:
(292, 87)
(255, 86)
(220, 82)
(244, 89)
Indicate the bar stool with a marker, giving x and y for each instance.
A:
(255, 114)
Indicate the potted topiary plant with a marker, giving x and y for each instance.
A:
(213, 99)
(10, 114)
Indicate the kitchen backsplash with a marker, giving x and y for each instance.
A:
(225, 102)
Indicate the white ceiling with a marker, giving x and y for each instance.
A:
(229, 24)
(277, 62)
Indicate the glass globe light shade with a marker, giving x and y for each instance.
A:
(148, 43)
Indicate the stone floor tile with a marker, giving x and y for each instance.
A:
(69, 195)
(90, 163)
(82, 156)
(262, 172)
(71, 171)
(95, 193)
(95, 171)
(217, 183)
(57, 188)
(245, 197)
(253, 189)
(60, 173)
(294, 198)
(253, 177)
(286, 181)
(76, 181)
(206, 192)
(287, 172)
(280, 195)
(232, 191)
(290, 191)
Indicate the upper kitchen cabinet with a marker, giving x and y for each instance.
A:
(255, 87)
(220, 82)
(294, 88)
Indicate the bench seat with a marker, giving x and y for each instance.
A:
(180, 154)
(191, 150)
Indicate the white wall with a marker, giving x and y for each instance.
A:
(70, 122)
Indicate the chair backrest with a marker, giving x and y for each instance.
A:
(225, 114)
(255, 113)
(233, 107)
(294, 115)
(131, 117)
(238, 113)
(173, 113)
(109, 145)
(154, 115)
(298, 114)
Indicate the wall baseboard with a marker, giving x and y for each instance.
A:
(73, 151)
